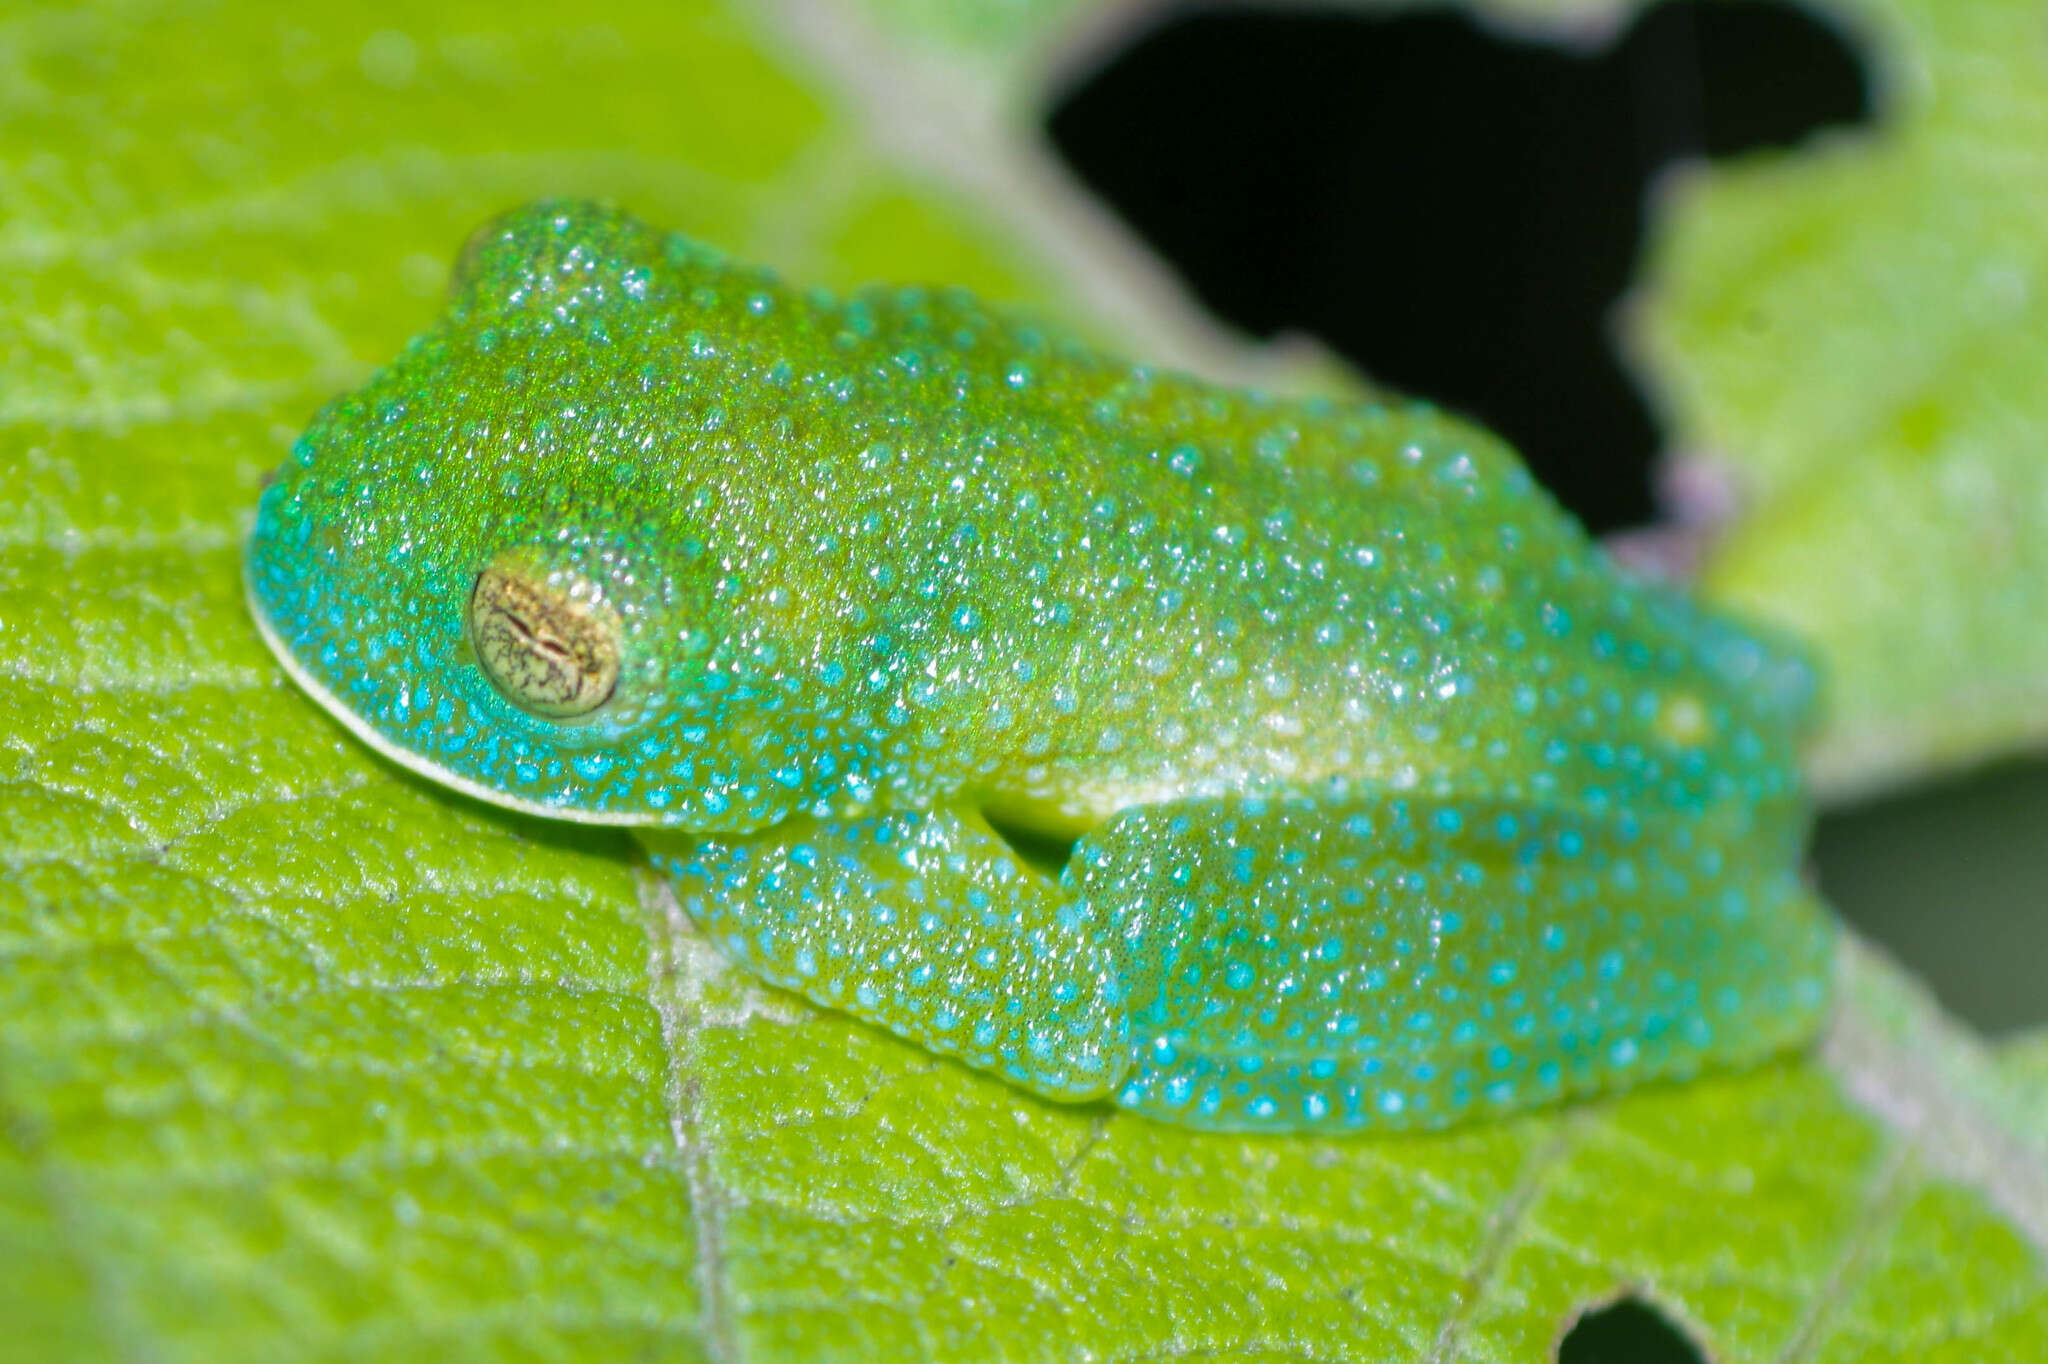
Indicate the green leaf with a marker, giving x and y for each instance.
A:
(2023, 1067)
(1857, 331)
(301, 1058)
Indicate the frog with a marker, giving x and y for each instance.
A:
(1247, 761)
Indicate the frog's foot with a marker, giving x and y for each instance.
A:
(1395, 962)
(926, 924)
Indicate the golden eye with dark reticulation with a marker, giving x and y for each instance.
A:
(551, 647)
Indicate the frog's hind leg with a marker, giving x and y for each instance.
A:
(925, 923)
(1398, 963)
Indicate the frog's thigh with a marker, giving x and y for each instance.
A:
(1403, 963)
(923, 923)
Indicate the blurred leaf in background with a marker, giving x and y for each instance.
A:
(301, 1058)
(1860, 332)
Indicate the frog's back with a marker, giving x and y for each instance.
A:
(1213, 590)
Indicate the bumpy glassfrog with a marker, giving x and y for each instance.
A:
(1251, 762)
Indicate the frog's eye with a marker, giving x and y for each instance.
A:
(550, 646)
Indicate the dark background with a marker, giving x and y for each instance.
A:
(1455, 212)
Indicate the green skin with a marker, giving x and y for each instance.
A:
(1391, 800)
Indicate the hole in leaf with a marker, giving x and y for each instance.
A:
(1455, 210)
(1044, 853)
(1951, 881)
(1627, 1331)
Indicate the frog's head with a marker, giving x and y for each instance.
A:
(534, 557)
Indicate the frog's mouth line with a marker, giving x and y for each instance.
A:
(406, 758)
